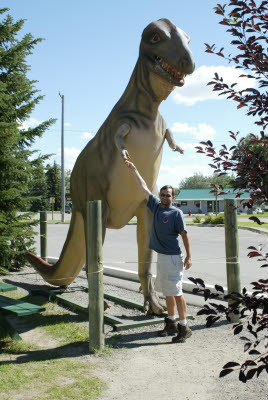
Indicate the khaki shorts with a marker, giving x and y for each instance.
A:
(169, 274)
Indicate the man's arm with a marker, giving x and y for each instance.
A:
(139, 179)
(187, 245)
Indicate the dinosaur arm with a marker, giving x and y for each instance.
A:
(171, 142)
(122, 131)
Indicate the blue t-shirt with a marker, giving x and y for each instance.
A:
(168, 223)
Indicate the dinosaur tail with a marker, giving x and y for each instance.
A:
(72, 258)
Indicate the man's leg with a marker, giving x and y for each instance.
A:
(181, 306)
(171, 326)
(184, 330)
(171, 305)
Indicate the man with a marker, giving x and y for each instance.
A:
(168, 224)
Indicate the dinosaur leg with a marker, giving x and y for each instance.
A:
(144, 223)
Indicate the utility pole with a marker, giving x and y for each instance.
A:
(216, 194)
(62, 161)
(232, 253)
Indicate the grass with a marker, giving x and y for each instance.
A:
(56, 320)
(210, 219)
(49, 379)
(252, 224)
(251, 215)
(41, 374)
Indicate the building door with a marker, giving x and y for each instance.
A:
(209, 206)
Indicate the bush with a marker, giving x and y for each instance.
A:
(197, 219)
(214, 220)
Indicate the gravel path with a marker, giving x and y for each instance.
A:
(144, 366)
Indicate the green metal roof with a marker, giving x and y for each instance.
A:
(203, 194)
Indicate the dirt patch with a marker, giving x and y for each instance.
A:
(142, 365)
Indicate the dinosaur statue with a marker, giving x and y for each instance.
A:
(134, 127)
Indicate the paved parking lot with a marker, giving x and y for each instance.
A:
(208, 251)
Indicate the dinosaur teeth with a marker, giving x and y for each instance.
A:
(169, 69)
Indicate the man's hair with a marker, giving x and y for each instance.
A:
(166, 187)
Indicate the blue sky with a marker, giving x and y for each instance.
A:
(88, 54)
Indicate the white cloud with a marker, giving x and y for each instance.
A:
(188, 146)
(196, 89)
(30, 123)
(70, 156)
(87, 136)
(200, 132)
(172, 175)
(67, 124)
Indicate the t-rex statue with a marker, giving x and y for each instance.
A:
(134, 127)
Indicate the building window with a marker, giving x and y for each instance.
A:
(184, 203)
(197, 203)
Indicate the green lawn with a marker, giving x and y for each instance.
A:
(252, 224)
(60, 372)
(253, 215)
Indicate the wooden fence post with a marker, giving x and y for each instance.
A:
(43, 235)
(95, 275)
(232, 251)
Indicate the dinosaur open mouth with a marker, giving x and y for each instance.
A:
(170, 70)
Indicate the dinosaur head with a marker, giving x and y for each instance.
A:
(164, 48)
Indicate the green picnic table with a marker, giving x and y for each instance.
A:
(14, 307)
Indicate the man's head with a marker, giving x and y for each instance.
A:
(166, 195)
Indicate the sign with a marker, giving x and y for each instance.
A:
(52, 200)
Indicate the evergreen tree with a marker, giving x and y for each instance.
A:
(39, 200)
(53, 176)
(18, 163)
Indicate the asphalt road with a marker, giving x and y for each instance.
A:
(208, 251)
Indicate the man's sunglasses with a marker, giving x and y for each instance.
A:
(165, 195)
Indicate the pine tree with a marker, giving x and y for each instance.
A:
(39, 196)
(18, 162)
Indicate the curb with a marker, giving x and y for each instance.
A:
(134, 277)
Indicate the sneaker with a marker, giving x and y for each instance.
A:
(184, 333)
(170, 328)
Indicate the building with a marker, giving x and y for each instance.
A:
(203, 202)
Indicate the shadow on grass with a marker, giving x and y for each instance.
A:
(70, 350)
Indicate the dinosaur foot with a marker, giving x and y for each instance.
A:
(151, 303)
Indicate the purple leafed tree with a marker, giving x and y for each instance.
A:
(247, 22)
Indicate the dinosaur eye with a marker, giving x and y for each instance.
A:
(155, 38)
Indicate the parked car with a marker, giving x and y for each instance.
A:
(258, 210)
(68, 209)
